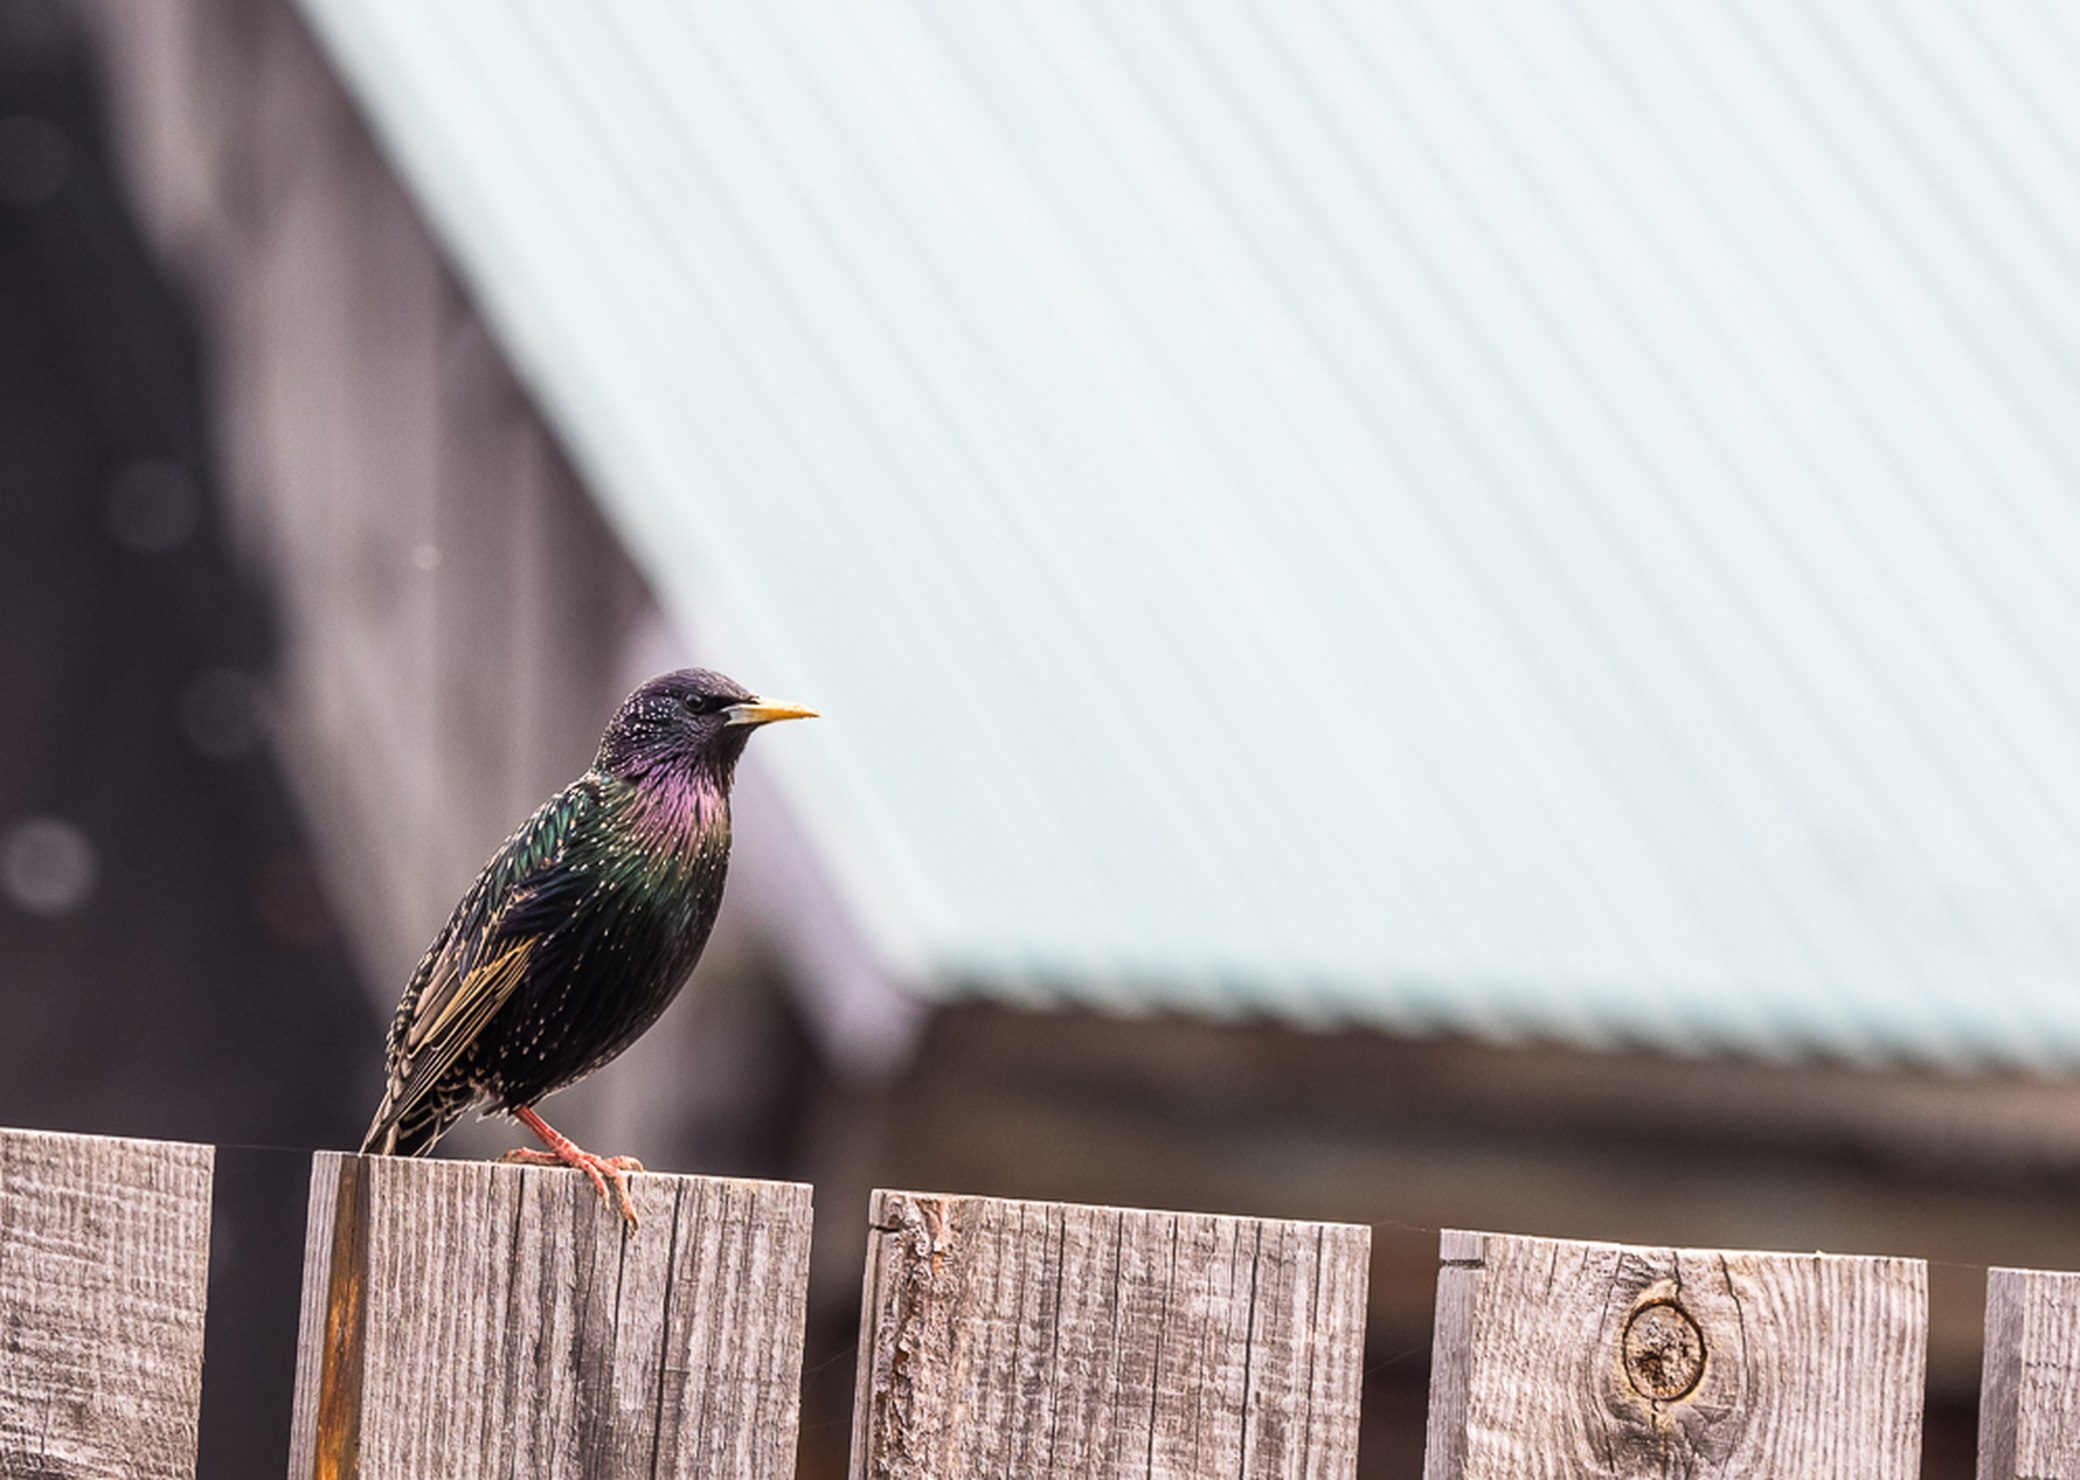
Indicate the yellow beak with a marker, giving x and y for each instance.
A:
(766, 711)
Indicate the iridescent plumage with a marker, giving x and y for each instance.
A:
(583, 926)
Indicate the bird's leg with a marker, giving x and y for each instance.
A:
(565, 1152)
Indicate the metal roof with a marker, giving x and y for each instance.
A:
(1531, 520)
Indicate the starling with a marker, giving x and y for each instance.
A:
(579, 931)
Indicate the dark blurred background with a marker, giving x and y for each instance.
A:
(309, 594)
(172, 966)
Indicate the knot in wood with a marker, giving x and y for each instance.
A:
(1664, 1352)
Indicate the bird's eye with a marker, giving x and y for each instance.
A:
(706, 704)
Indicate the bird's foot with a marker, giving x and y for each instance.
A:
(565, 1152)
(601, 1169)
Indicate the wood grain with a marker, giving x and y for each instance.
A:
(2029, 1399)
(1010, 1339)
(104, 1276)
(1555, 1358)
(463, 1319)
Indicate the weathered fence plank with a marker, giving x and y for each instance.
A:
(2029, 1395)
(463, 1319)
(1554, 1358)
(1028, 1338)
(104, 1275)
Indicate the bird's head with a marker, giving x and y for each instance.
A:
(693, 720)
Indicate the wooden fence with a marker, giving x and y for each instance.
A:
(464, 1320)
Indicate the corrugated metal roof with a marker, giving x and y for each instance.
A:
(1524, 519)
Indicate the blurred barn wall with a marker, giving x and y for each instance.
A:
(455, 615)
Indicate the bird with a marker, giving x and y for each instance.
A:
(578, 932)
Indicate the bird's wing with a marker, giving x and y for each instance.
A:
(483, 955)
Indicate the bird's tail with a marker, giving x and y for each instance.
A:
(381, 1139)
(409, 1128)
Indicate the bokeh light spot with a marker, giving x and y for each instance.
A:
(47, 866)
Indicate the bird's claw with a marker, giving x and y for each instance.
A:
(601, 1169)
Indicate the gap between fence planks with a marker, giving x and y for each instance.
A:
(1559, 1359)
(463, 1319)
(104, 1275)
(1026, 1338)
